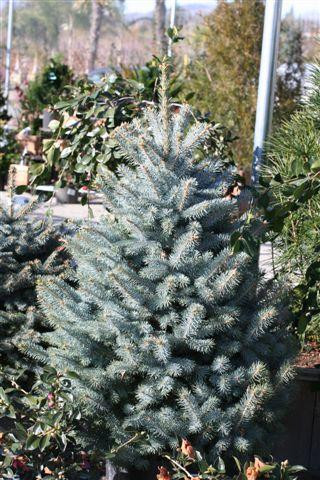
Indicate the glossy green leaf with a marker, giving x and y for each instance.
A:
(44, 442)
(47, 144)
(3, 395)
(53, 155)
(221, 466)
(54, 125)
(32, 442)
(66, 152)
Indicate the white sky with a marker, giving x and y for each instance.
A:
(301, 8)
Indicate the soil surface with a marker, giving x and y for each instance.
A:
(310, 356)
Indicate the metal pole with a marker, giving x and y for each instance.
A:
(172, 23)
(267, 78)
(8, 52)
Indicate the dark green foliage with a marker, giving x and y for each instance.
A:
(145, 80)
(293, 172)
(38, 430)
(168, 331)
(44, 91)
(29, 250)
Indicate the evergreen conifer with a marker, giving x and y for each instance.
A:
(225, 70)
(29, 249)
(292, 210)
(291, 69)
(169, 332)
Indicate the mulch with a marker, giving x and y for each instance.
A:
(309, 357)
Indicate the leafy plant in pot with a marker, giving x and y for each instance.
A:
(82, 146)
(43, 92)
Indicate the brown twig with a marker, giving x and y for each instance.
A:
(176, 464)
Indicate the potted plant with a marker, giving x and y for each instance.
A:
(39, 97)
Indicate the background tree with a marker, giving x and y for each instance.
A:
(161, 40)
(224, 73)
(38, 26)
(99, 10)
(95, 27)
(43, 29)
(291, 69)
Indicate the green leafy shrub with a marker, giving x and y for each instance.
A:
(145, 80)
(38, 430)
(41, 429)
(81, 146)
(169, 332)
(292, 176)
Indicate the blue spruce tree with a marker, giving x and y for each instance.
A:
(169, 332)
(29, 249)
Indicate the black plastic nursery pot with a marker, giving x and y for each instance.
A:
(300, 443)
